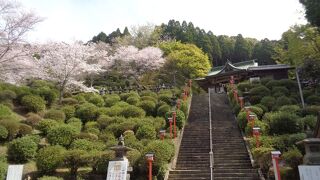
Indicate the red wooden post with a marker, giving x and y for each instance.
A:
(256, 132)
(150, 159)
(170, 121)
(275, 161)
(174, 123)
(252, 118)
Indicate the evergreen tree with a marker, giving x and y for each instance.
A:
(241, 50)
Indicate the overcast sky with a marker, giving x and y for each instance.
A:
(67, 20)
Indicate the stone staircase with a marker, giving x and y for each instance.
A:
(231, 159)
(193, 161)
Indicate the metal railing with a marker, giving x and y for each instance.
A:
(210, 130)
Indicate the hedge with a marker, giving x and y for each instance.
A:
(132, 111)
(111, 100)
(61, 135)
(285, 122)
(22, 149)
(146, 132)
(55, 114)
(86, 112)
(148, 106)
(49, 158)
(33, 103)
(46, 124)
(162, 110)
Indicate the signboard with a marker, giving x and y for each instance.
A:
(14, 172)
(309, 172)
(117, 170)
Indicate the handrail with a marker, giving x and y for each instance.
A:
(210, 129)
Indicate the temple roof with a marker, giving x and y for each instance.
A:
(233, 67)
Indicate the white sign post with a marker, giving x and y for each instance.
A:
(117, 170)
(309, 172)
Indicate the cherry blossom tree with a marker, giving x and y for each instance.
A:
(133, 62)
(15, 22)
(66, 64)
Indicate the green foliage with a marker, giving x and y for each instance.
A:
(111, 100)
(180, 118)
(313, 100)
(256, 110)
(69, 101)
(285, 122)
(55, 114)
(103, 162)
(148, 94)
(264, 128)
(48, 94)
(165, 98)
(242, 120)
(75, 123)
(3, 169)
(50, 178)
(163, 151)
(74, 159)
(87, 145)
(146, 132)
(6, 95)
(312, 110)
(133, 111)
(268, 101)
(33, 119)
(262, 155)
(61, 135)
(162, 110)
(46, 124)
(243, 86)
(4, 111)
(12, 127)
(280, 89)
(187, 59)
(148, 106)
(96, 100)
(312, 11)
(150, 98)
(25, 129)
(293, 157)
(33, 103)
(310, 121)
(22, 149)
(3, 132)
(291, 108)
(105, 121)
(69, 111)
(281, 101)
(133, 100)
(49, 158)
(86, 112)
(260, 91)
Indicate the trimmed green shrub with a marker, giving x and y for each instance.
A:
(307, 92)
(80, 98)
(148, 93)
(122, 104)
(22, 149)
(86, 112)
(133, 157)
(149, 98)
(285, 122)
(313, 100)
(7, 95)
(87, 145)
(280, 89)
(74, 159)
(104, 121)
(291, 108)
(3, 169)
(49, 158)
(12, 127)
(262, 157)
(125, 96)
(4, 111)
(55, 114)
(256, 110)
(163, 151)
(96, 100)
(69, 111)
(133, 100)
(265, 80)
(61, 135)
(260, 91)
(3, 132)
(264, 108)
(268, 101)
(243, 86)
(184, 107)
(89, 136)
(264, 128)
(242, 120)
(180, 118)
(107, 137)
(69, 101)
(102, 163)
(111, 100)
(132, 111)
(75, 123)
(49, 95)
(273, 83)
(146, 132)
(46, 124)
(289, 84)
(33, 119)
(281, 101)
(50, 178)
(25, 129)
(312, 110)
(33, 103)
(310, 121)
(162, 110)
(293, 157)
(148, 107)
(165, 98)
